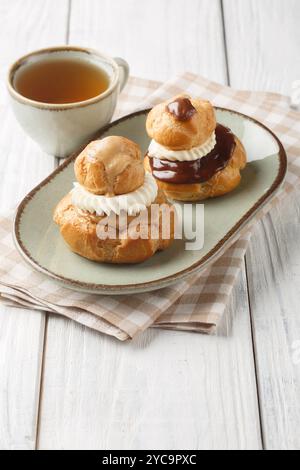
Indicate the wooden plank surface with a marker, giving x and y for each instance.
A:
(158, 38)
(24, 25)
(166, 389)
(263, 38)
(273, 264)
(268, 58)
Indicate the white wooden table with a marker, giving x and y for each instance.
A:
(65, 387)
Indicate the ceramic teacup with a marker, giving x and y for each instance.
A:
(59, 129)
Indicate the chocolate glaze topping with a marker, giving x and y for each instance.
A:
(198, 171)
(182, 109)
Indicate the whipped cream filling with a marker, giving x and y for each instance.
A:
(161, 152)
(132, 203)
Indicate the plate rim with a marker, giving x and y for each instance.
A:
(228, 238)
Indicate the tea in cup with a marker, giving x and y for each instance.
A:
(62, 95)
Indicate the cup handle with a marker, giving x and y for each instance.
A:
(124, 68)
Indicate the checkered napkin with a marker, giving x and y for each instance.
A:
(195, 304)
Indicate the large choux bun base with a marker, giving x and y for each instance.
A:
(221, 183)
(79, 230)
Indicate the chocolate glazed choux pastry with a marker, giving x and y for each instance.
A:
(191, 156)
(111, 180)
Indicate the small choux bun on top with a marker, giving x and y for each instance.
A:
(110, 166)
(111, 181)
(181, 123)
(191, 156)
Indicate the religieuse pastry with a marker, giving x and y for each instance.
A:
(191, 156)
(111, 183)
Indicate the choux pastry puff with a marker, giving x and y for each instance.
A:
(191, 156)
(111, 181)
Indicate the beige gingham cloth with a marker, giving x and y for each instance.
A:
(195, 304)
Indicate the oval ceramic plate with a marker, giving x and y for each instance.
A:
(39, 241)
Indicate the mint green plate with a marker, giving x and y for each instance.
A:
(39, 241)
